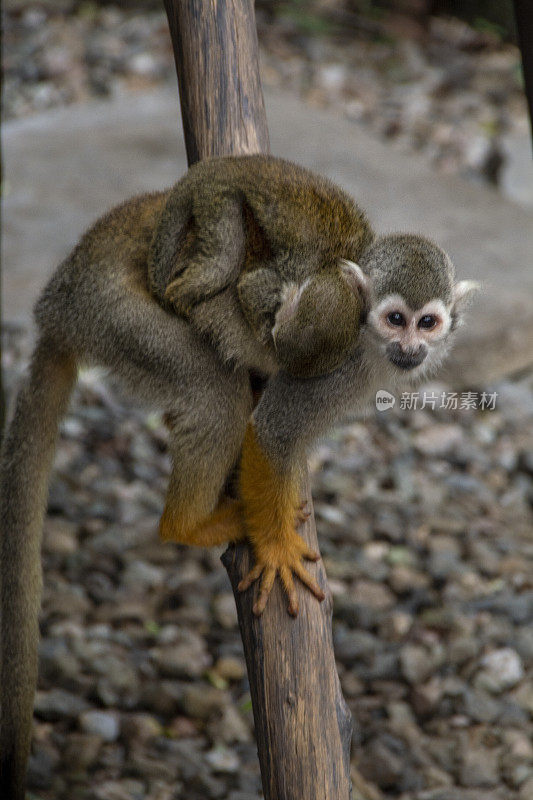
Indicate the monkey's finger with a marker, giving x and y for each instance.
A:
(302, 515)
(288, 584)
(172, 290)
(309, 581)
(311, 555)
(252, 576)
(267, 583)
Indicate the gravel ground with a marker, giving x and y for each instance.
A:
(425, 521)
(446, 90)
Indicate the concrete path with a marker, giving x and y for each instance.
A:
(64, 168)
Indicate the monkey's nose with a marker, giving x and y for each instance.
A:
(406, 358)
(411, 352)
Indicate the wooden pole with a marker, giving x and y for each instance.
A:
(524, 27)
(216, 55)
(302, 724)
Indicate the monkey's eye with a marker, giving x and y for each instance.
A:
(427, 322)
(396, 318)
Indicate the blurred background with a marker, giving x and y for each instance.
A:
(424, 510)
(438, 76)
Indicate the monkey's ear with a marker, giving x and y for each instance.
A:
(355, 276)
(463, 292)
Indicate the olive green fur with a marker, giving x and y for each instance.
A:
(410, 266)
(317, 338)
(242, 228)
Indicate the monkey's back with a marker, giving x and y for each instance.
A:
(287, 219)
(288, 209)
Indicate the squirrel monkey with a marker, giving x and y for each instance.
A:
(257, 311)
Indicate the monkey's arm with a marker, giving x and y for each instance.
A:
(213, 262)
(291, 414)
(260, 293)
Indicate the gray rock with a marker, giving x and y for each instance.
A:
(56, 661)
(104, 724)
(225, 610)
(383, 666)
(128, 789)
(201, 701)
(426, 697)
(148, 766)
(351, 645)
(162, 697)
(404, 579)
(42, 765)
(231, 727)
(523, 695)
(222, 760)
(438, 440)
(480, 706)
(140, 574)
(526, 790)
(417, 663)
(58, 704)
(502, 669)
(379, 764)
(242, 796)
(230, 668)
(524, 643)
(462, 648)
(139, 727)
(187, 658)
(372, 594)
(81, 751)
(479, 767)
(119, 683)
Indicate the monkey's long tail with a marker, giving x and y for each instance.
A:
(27, 456)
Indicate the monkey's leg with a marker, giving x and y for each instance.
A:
(205, 447)
(224, 524)
(270, 502)
(291, 414)
(216, 261)
(193, 514)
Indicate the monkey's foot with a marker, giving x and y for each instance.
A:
(223, 525)
(302, 513)
(281, 556)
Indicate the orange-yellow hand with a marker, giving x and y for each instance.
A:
(281, 556)
(271, 509)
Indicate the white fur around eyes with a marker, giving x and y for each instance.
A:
(395, 302)
(392, 302)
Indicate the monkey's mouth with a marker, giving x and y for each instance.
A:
(405, 361)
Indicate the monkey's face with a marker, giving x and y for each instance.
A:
(414, 302)
(407, 335)
(416, 340)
